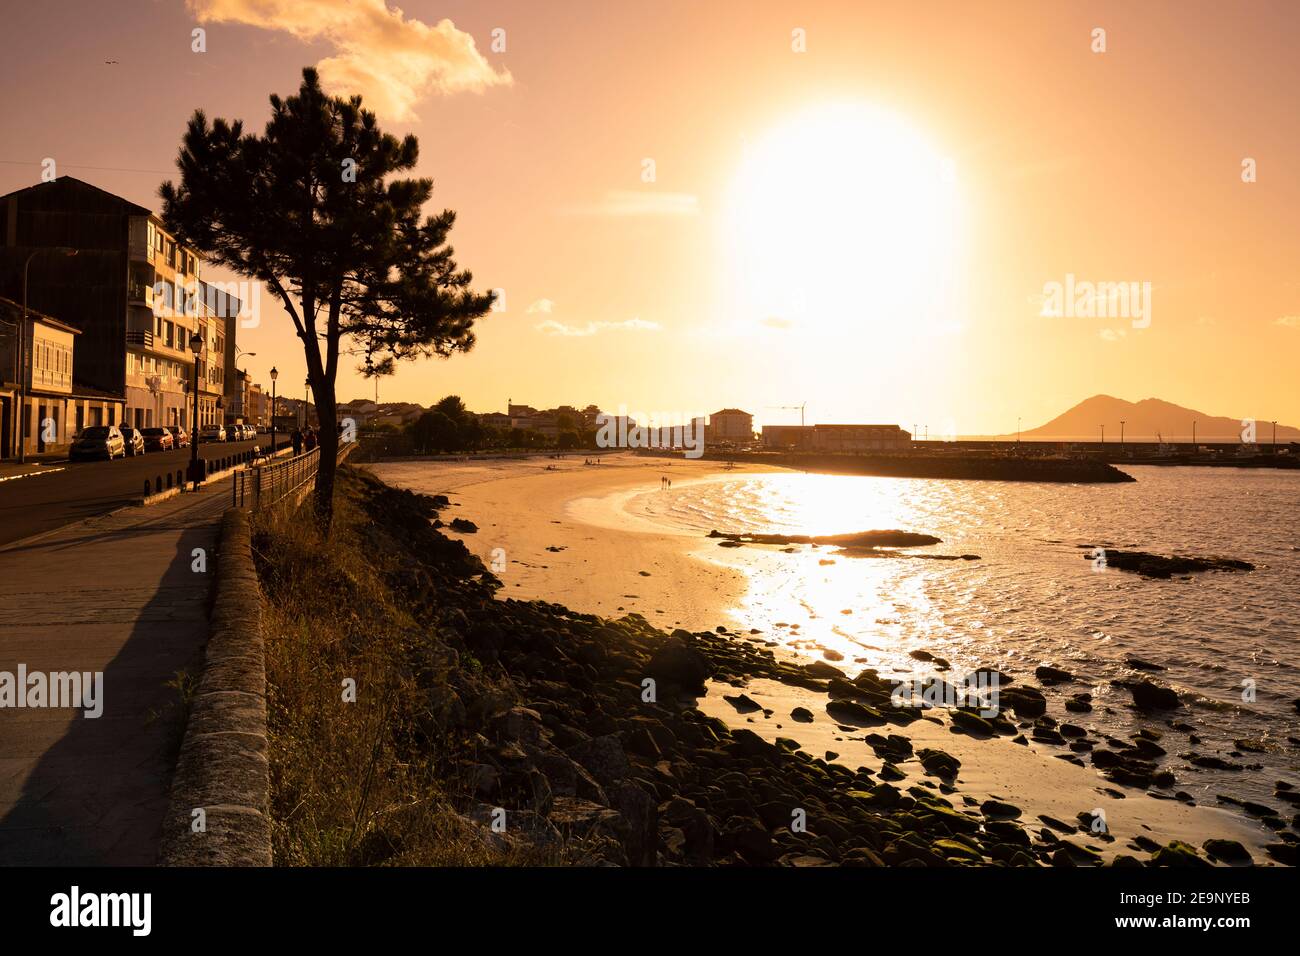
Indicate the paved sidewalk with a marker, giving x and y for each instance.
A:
(115, 594)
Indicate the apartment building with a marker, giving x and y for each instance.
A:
(108, 268)
(729, 425)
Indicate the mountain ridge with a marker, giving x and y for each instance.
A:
(1147, 420)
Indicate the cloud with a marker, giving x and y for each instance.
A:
(541, 305)
(552, 327)
(623, 202)
(1290, 321)
(392, 61)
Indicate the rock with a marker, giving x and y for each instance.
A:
(752, 745)
(850, 711)
(1285, 853)
(802, 714)
(742, 702)
(1148, 696)
(677, 664)
(603, 757)
(1177, 853)
(832, 655)
(1138, 664)
(996, 808)
(1229, 851)
(938, 763)
(640, 813)
(1150, 565)
(823, 671)
(971, 723)
(463, 525)
(1025, 701)
(1052, 675)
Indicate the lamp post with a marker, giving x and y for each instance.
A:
(306, 397)
(1121, 435)
(22, 345)
(1275, 438)
(196, 463)
(274, 375)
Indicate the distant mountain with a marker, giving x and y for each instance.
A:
(1147, 419)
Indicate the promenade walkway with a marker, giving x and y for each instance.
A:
(115, 594)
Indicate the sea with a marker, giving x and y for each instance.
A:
(1229, 643)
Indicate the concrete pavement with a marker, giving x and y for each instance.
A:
(115, 594)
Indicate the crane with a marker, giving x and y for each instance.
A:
(790, 408)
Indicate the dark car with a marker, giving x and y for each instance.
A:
(157, 439)
(133, 440)
(180, 437)
(98, 441)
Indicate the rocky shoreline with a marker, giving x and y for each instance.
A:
(586, 733)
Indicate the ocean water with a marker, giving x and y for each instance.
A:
(1229, 641)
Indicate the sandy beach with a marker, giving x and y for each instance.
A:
(559, 530)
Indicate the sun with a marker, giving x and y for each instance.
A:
(841, 220)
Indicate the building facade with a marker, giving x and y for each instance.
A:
(730, 425)
(837, 438)
(108, 268)
(53, 408)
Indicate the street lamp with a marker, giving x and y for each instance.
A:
(22, 345)
(306, 397)
(1121, 435)
(274, 375)
(196, 463)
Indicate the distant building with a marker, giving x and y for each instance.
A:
(729, 425)
(495, 420)
(837, 438)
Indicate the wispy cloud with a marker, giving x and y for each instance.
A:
(552, 327)
(626, 202)
(1290, 321)
(541, 305)
(390, 59)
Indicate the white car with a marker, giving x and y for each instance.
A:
(212, 433)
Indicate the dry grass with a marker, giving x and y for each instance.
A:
(365, 782)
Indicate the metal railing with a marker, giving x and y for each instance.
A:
(266, 485)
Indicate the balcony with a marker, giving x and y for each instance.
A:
(142, 337)
(140, 293)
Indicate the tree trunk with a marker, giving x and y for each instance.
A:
(327, 412)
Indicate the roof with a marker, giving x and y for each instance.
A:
(71, 182)
(38, 315)
(732, 411)
(859, 426)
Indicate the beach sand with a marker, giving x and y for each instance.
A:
(610, 562)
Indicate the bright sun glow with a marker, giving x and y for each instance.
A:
(842, 221)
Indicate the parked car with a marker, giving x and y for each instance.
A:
(158, 439)
(133, 440)
(212, 433)
(180, 437)
(98, 441)
(234, 433)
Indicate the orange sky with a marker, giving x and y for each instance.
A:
(1117, 166)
